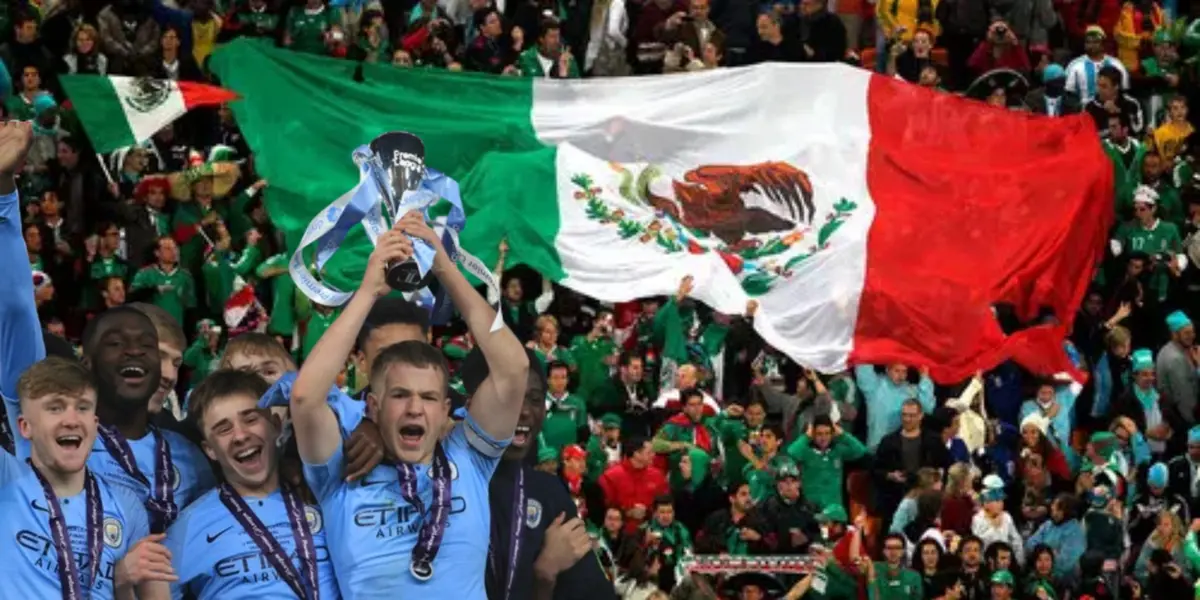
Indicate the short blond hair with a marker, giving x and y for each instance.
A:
(170, 332)
(54, 375)
(1117, 336)
(253, 343)
(543, 321)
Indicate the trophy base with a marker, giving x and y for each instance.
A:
(406, 277)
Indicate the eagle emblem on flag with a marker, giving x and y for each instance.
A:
(148, 94)
(761, 219)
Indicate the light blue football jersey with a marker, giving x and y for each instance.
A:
(28, 559)
(216, 559)
(371, 530)
(349, 412)
(191, 474)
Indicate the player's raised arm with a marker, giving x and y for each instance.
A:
(496, 405)
(20, 332)
(318, 434)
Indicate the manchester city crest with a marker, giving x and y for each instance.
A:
(533, 513)
(113, 536)
(453, 471)
(313, 516)
(147, 94)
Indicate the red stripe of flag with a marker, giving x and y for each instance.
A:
(199, 94)
(976, 206)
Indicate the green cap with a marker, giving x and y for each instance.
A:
(1042, 584)
(1002, 577)
(1105, 443)
(783, 467)
(546, 453)
(611, 421)
(834, 513)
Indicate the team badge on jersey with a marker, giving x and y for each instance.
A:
(313, 516)
(177, 478)
(453, 471)
(113, 536)
(533, 513)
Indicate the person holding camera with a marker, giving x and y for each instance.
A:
(999, 50)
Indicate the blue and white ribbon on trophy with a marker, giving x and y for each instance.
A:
(364, 204)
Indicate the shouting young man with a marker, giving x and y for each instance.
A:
(390, 535)
(72, 534)
(251, 510)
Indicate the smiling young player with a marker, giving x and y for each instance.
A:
(419, 525)
(251, 537)
(70, 534)
(120, 348)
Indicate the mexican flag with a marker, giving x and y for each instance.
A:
(872, 221)
(119, 111)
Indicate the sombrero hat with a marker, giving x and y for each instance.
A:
(1014, 84)
(770, 586)
(224, 176)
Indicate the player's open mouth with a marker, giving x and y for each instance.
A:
(521, 436)
(411, 436)
(132, 375)
(248, 455)
(70, 441)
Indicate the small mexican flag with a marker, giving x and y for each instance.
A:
(123, 111)
(872, 221)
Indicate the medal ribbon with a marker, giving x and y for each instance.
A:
(514, 550)
(433, 527)
(160, 503)
(307, 588)
(68, 571)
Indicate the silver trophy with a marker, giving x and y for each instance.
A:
(398, 166)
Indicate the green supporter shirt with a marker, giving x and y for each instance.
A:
(102, 268)
(1161, 238)
(823, 470)
(683, 340)
(107, 266)
(590, 356)
(283, 294)
(674, 431)
(186, 227)
(318, 323)
(1127, 173)
(558, 353)
(904, 584)
(201, 359)
(174, 291)
(761, 481)
(263, 20)
(19, 109)
(221, 271)
(597, 458)
(564, 418)
(733, 432)
(307, 28)
(675, 540)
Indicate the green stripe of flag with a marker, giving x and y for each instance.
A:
(304, 115)
(99, 110)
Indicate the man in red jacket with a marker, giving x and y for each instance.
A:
(632, 484)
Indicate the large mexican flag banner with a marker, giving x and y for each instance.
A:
(873, 221)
